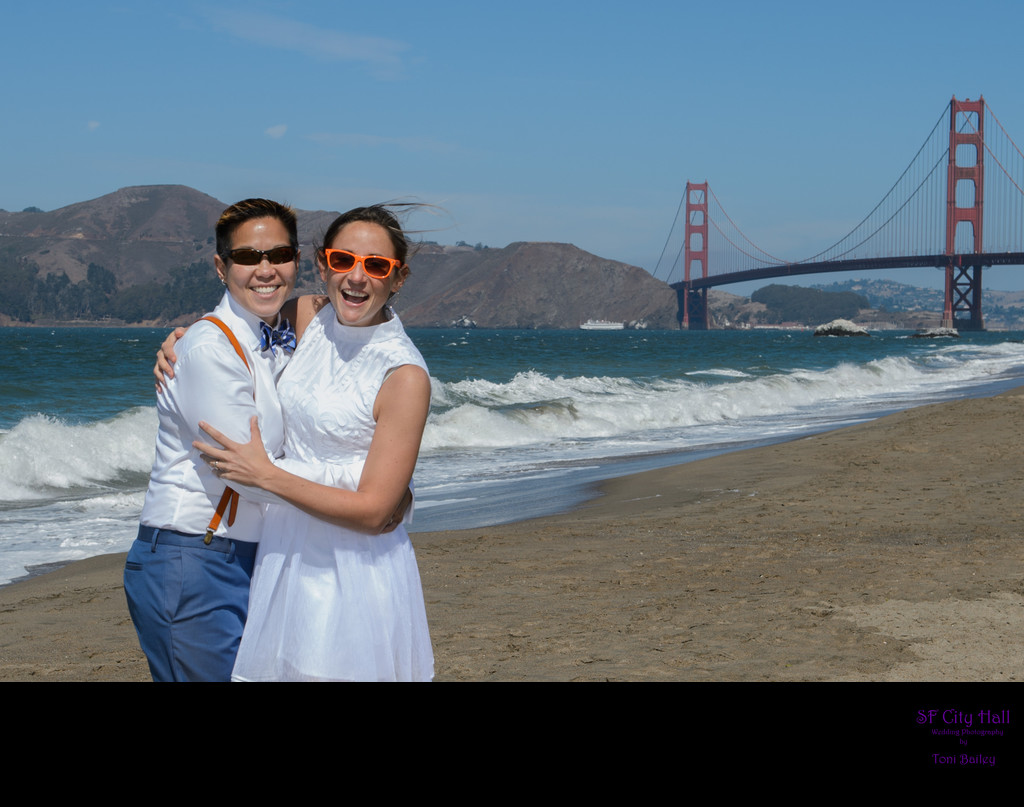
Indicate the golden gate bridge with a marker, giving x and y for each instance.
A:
(958, 207)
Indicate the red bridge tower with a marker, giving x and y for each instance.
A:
(966, 167)
(694, 303)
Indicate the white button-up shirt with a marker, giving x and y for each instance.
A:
(213, 385)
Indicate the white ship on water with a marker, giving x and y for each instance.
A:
(601, 325)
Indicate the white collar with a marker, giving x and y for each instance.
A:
(252, 321)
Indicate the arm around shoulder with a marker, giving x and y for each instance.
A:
(401, 412)
(305, 308)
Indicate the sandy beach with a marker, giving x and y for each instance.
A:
(889, 551)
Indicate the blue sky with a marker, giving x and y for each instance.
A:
(525, 121)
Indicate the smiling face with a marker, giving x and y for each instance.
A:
(359, 299)
(261, 289)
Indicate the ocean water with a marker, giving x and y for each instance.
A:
(522, 422)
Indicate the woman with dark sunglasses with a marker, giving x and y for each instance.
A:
(332, 598)
(187, 574)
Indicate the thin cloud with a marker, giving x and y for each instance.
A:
(351, 140)
(276, 132)
(92, 125)
(382, 56)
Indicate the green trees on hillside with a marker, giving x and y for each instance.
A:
(32, 296)
(798, 304)
(20, 293)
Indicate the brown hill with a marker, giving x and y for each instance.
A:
(530, 285)
(137, 233)
(145, 236)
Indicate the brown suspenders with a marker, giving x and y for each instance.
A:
(230, 497)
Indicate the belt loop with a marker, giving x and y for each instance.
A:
(231, 552)
(153, 542)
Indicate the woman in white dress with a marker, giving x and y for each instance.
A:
(332, 598)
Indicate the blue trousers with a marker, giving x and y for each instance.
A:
(188, 602)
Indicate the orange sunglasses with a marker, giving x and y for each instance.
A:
(341, 260)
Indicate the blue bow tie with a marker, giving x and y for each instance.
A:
(283, 337)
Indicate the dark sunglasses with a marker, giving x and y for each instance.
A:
(247, 256)
(341, 260)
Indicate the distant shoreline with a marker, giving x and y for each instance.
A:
(185, 322)
(92, 323)
(80, 325)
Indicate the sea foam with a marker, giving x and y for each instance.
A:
(43, 456)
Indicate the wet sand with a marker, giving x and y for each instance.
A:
(888, 551)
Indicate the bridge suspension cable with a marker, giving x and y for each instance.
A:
(1008, 229)
(664, 249)
(742, 234)
(910, 220)
(833, 252)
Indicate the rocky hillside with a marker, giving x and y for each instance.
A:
(133, 255)
(530, 285)
(137, 233)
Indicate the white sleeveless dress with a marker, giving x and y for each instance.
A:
(328, 603)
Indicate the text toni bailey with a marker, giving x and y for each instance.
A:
(963, 759)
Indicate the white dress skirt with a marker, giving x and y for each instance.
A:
(328, 603)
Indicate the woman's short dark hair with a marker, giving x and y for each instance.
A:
(247, 210)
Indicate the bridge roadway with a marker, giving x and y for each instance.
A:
(985, 259)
